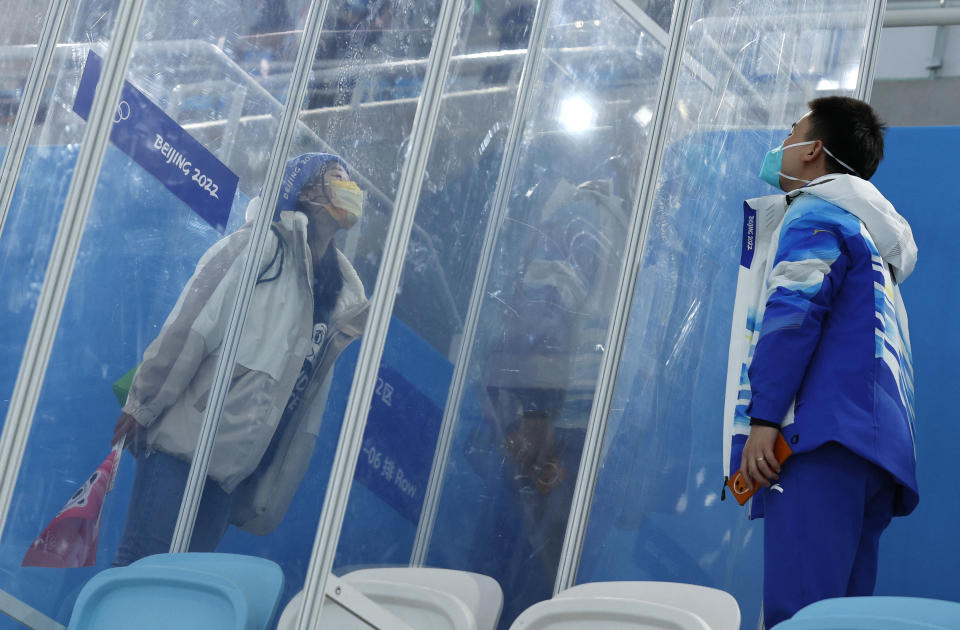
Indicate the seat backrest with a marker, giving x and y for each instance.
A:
(158, 598)
(260, 580)
(365, 604)
(333, 616)
(864, 622)
(935, 612)
(605, 613)
(420, 607)
(481, 594)
(717, 608)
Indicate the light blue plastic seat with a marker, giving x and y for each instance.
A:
(876, 613)
(846, 622)
(159, 598)
(260, 580)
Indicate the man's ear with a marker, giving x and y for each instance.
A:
(814, 152)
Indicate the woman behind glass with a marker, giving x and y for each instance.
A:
(307, 306)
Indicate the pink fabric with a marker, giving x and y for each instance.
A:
(70, 540)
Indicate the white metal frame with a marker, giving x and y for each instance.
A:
(29, 105)
(868, 61)
(26, 614)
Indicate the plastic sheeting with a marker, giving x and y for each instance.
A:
(221, 72)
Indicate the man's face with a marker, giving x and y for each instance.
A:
(792, 158)
(317, 194)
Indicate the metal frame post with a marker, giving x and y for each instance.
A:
(63, 257)
(220, 386)
(381, 308)
(501, 197)
(616, 336)
(29, 105)
(868, 62)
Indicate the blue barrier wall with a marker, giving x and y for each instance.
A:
(918, 554)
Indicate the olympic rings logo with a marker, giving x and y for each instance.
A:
(122, 113)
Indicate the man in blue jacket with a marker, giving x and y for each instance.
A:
(829, 365)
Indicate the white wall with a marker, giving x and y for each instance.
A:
(906, 51)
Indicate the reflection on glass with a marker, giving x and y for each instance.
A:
(19, 32)
(747, 74)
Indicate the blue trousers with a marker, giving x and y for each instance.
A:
(821, 534)
(158, 487)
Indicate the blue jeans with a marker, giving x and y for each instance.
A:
(158, 488)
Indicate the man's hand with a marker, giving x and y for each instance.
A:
(126, 428)
(758, 464)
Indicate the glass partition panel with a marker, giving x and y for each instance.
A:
(657, 513)
(414, 376)
(19, 33)
(189, 149)
(296, 359)
(545, 302)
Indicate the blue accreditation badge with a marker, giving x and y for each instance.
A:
(163, 148)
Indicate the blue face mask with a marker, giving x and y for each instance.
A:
(772, 169)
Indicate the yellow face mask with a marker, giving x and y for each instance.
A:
(347, 196)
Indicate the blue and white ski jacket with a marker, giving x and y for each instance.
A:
(820, 340)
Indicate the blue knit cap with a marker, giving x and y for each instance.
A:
(298, 172)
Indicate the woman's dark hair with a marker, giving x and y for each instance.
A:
(327, 284)
(327, 279)
(851, 130)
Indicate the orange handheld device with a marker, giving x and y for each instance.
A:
(741, 492)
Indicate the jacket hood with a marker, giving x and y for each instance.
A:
(890, 231)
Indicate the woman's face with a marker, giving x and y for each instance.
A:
(316, 194)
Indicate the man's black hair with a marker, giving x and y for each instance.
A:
(851, 130)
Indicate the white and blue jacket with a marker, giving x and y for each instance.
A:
(820, 342)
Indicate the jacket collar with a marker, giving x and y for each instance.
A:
(890, 232)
